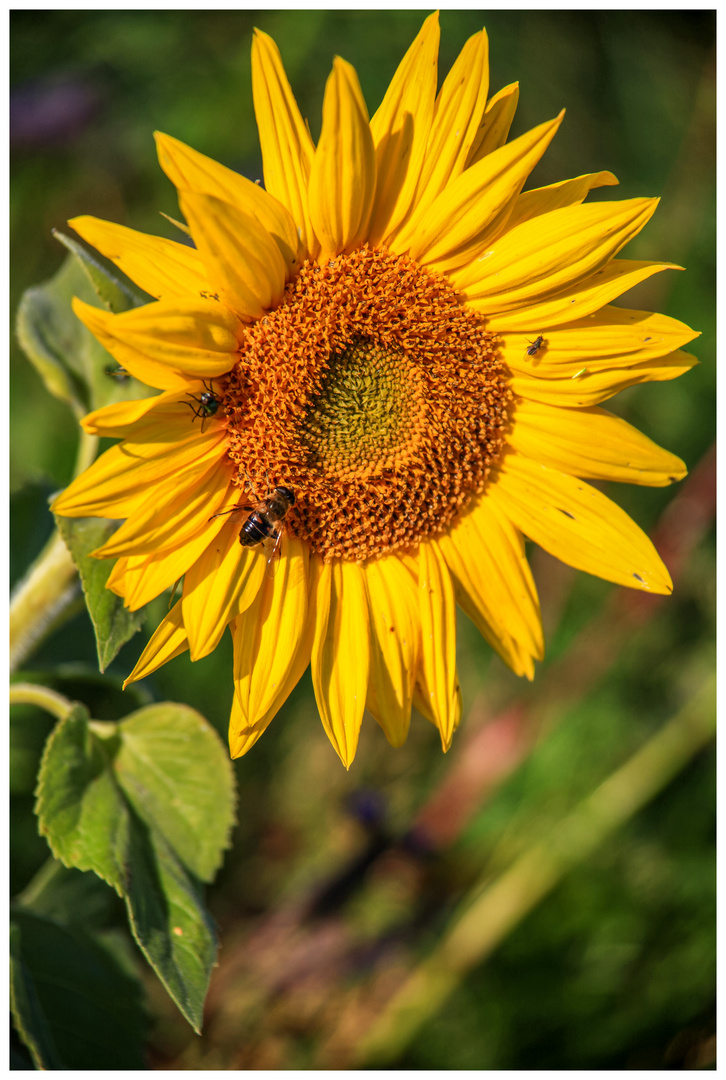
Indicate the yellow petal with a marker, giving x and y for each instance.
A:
(181, 338)
(400, 130)
(581, 299)
(242, 733)
(474, 208)
(168, 640)
(113, 420)
(268, 635)
(495, 124)
(395, 634)
(437, 608)
(531, 204)
(340, 659)
(457, 115)
(220, 585)
(551, 253)
(593, 444)
(287, 149)
(141, 578)
(590, 388)
(118, 482)
(171, 517)
(495, 587)
(166, 423)
(577, 524)
(343, 175)
(422, 703)
(611, 337)
(189, 170)
(141, 367)
(163, 268)
(129, 419)
(241, 257)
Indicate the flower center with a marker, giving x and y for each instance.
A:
(364, 420)
(376, 396)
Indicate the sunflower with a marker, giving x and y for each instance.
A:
(381, 371)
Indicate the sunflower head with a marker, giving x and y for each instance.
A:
(385, 368)
(376, 396)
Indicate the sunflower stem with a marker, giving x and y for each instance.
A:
(86, 454)
(48, 594)
(43, 697)
(492, 909)
(41, 600)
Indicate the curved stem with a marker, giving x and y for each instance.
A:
(39, 600)
(86, 453)
(43, 697)
(45, 597)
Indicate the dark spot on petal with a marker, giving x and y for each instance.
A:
(639, 578)
(566, 513)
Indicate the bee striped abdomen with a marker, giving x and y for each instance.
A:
(255, 530)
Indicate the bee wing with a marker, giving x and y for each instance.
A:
(240, 506)
(271, 547)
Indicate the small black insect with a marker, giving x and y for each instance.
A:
(207, 403)
(535, 346)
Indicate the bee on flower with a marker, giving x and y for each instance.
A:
(368, 320)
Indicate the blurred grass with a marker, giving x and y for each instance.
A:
(615, 969)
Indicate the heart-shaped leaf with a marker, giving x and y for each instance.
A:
(66, 355)
(172, 772)
(147, 803)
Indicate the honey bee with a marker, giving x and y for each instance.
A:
(535, 346)
(264, 525)
(206, 403)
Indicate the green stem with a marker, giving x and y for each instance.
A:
(45, 597)
(86, 454)
(41, 598)
(43, 697)
(491, 910)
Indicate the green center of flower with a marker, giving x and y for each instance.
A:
(374, 394)
(364, 417)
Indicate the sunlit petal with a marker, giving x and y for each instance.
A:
(343, 174)
(578, 524)
(340, 659)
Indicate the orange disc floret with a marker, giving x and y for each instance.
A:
(376, 396)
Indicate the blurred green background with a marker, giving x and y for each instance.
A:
(616, 968)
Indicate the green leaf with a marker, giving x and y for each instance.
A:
(73, 1004)
(53, 339)
(147, 804)
(114, 289)
(81, 811)
(72, 364)
(113, 624)
(177, 774)
(169, 921)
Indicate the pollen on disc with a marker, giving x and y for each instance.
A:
(374, 394)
